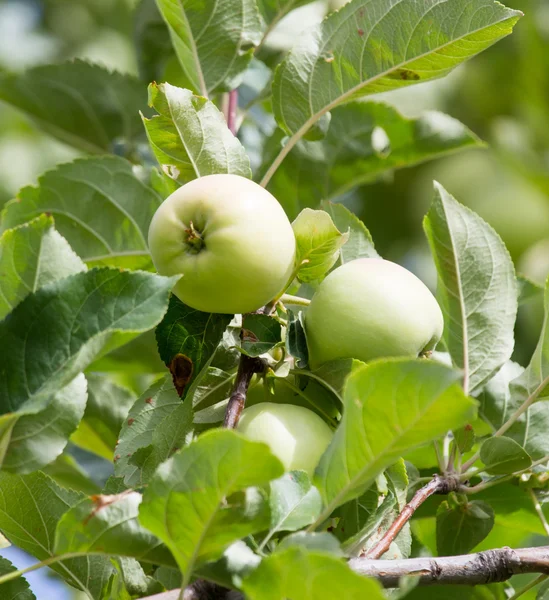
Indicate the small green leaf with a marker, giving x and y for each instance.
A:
(354, 52)
(30, 521)
(146, 431)
(189, 136)
(461, 526)
(360, 243)
(16, 589)
(107, 408)
(31, 256)
(477, 289)
(334, 373)
(390, 407)
(294, 502)
(99, 206)
(213, 42)
(261, 333)
(108, 525)
(195, 483)
(298, 573)
(502, 455)
(465, 438)
(296, 342)
(83, 105)
(80, 317)
(187, 340)
(318, 243)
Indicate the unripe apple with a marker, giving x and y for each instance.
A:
(295, 435)
(369, 308)
(229, 238)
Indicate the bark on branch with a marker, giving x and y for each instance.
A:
(246, 369)
(470, 569)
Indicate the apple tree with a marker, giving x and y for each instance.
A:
(285, 413)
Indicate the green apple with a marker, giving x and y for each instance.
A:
(295, 435)
(369, 308)
(229, 238)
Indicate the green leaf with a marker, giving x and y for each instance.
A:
(35, 440)
(108, 525)
(187, 340)
(99, 206)
(527, 290)
(365, 140)
(237, 561)
(31, 256)
(261, 333)
(360, 243)
(296, 342)
(502, 455)
(294, 502)
(133, 580)
(317, 244)
(315, 541)
(354, 52)
(16, 589)
(66, 472)
(297, 573)
(334, 373)
(465, 438)
(194, 483)
(460, 527)
(391, 406)
(497, 404)
(152, 41)
(534, 381)
(190, 137)
(146, 432)
(30, 508)
(477, 289)
(107, 408)
(83, 105)
(274, 10)
(55, 333)
(213, 41)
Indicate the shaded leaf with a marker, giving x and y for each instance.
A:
(31, 256)
(67, 473)
(81, 104)
(317, 244)
(461, 526)
(195, 483)
(296, 342)
(315, 541)
(364, 141)
(212, 40)
(99, 206)
(502, 455)
(108, 525)
(477, 289)
(16, 589)
(261, 333)
(391, 406)
(107, 408)
(298, 573)
(192, 336)
(30, 523)
(527, 289)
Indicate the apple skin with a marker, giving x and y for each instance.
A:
(296, 436)
(242, 253)
(369, 308)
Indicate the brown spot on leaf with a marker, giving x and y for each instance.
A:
(148, 401)
(248, 336)
(361, 32)
(131, 421)
(181, 369)
(102, 500)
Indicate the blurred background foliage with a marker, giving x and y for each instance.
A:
(502, 95)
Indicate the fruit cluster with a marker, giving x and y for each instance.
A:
(235, 248)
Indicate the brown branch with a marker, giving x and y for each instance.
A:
(470, 569)
(231, 111)
(246, 369)
(438, 485)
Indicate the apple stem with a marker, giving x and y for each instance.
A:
(247, 367)
(295, 300)
(194, 239)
